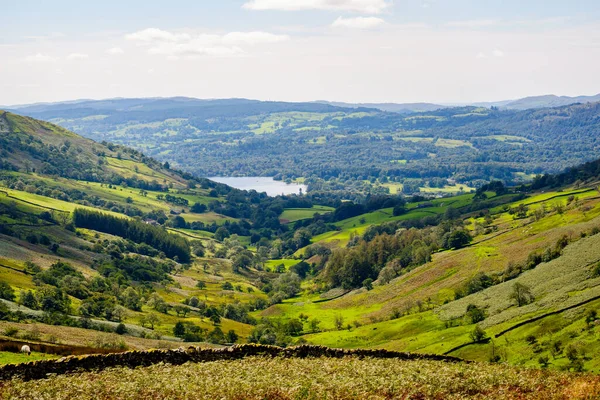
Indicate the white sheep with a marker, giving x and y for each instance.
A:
(26, 349)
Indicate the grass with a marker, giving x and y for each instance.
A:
(7, 357)
(311, 378)
(297, 214)
(287, 263)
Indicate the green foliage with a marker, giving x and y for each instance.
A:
(521, 294)
(6, 291)
(475, 314)
(173, 246)
(478, 334)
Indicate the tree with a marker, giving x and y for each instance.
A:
(399, 209)
(302, 268)
(194, 302)
(241, 261)
(215, 318)
(294, 327)
(368, 284)
(179, 329)
(475, 314)
(181, 310)
(478, 334)
(118, 313)
(6, 291)
(221, 234)
(216, 336)
(131, 299)
(227, 286)
(200, 284)
(198, 208)
(338, 322)
(232, 337)
(28, 299)
(521, 294)
(314, 325)
(158, 303)
(152, 320)
(458, 239)
(121, 329)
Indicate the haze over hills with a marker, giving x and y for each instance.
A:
(542, 101)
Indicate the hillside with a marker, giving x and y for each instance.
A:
(354, 151)
(99, 237)
(102, 278)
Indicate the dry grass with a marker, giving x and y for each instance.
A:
(85, 337)
(310, 378)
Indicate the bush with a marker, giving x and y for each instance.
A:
(478, 334)
(6, 291)
(121, 329)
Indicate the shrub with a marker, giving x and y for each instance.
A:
(478, 334)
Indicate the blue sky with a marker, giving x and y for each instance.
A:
(345, 50)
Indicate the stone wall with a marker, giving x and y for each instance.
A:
(132, 359)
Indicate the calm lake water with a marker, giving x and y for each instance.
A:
(261, 184)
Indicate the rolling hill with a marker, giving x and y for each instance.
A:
(354, 151)
(100, 238)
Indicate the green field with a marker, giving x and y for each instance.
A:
(296, 214)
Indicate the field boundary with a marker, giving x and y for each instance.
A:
(520, 324)
(523, 323)
(132, 359)
(31, 203)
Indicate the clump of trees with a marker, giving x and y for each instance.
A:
(173, 246)
(388, 255)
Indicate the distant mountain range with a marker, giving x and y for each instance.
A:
(525, 103)
(165, 103)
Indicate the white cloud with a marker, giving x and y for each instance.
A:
(174, 45)
(77, 56)
(154, 34)
(360, 6)
(358, 22)
(194, 49)
(473, 24)
(40, 58)
(252, 38)
(115, 51)
(493, 53)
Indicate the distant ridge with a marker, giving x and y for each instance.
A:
(121, 104)
(549, 101)
(402, 108)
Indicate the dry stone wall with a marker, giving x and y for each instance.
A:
(132, 359)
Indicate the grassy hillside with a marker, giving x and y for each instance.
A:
(421, 310)
(46, 173)
(115, 250)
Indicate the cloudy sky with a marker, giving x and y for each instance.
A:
(296, 50)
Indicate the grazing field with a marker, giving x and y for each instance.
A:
(296, 214)
(7, 357)
(311, 378)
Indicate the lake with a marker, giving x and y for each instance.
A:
(261, 184)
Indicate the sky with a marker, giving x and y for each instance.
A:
(440, 51)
